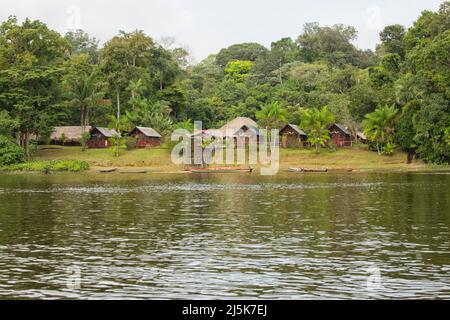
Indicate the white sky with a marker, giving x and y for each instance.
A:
(206, 26)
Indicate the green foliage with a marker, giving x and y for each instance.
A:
(10, 153)
(392, 39)
(239, 69)
(379, 126)
(388, 150)
(47, 80)
(242, 51)
(316, 122)
(31, 57)
(272, 115)
(7, 124)
(84, 139)
(49, 166)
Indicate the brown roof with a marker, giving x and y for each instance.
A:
(296, 129)
(72, 133)
(238, 123)
(340, 127)
(108, 133)
(148, 132)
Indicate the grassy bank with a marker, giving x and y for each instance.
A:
(158, 159)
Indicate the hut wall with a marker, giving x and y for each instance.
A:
(339, 138)
(98, 140)
(143, 141)
(290, 138)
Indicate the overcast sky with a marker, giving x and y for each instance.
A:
(206, 26)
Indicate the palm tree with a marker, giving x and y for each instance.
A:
(272, 115)
(379, 125)
(316, 122)
(85, 94)
(136, 87)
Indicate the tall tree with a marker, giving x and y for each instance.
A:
(31, 57)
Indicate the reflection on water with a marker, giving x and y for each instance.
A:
(225, 236)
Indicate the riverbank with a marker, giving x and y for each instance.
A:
(359, 158)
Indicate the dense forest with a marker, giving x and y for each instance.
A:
(399, 93)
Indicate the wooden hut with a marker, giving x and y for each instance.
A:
(145, 137)
(340, 136)
(68, 135)
(241, 127)
(292, 136)
(100, 137)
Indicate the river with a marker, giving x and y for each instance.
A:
(225, 236)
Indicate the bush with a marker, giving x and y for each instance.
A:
(131, 142)
(388, 150)
(10, 153)
(49, 166)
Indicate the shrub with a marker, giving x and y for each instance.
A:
(49, 166)
(84, 140)
(131, 142)
(388, 150)
(10, 153)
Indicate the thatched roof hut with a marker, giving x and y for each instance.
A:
(239, 123)
(72, 134)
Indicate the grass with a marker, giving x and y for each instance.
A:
(158, 159)
(152, 157)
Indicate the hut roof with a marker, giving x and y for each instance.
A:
(149, 132)
(296, 129)
(239, 122)
(109, 133)
(72, 133)
(341, 127)
(361, 135)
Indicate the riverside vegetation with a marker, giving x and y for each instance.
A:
(398, 94)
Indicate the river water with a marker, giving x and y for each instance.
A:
(229, 236)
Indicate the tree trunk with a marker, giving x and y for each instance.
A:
(279, 74)
(24, 136)
(411, 154)
(118, 119)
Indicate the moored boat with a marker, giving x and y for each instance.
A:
(341, 169)
(222, 170)
(133, 171)
(108, 170)
(307, 170)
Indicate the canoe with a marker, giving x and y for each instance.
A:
(222, 170)
(107, 170)
(307, 170)
(341, 169)
(134, 171)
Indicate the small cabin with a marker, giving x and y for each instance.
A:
(241, 127)
(100, 137)
(292, 136)
(145, 137)
(68, 135)
(340, 136)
